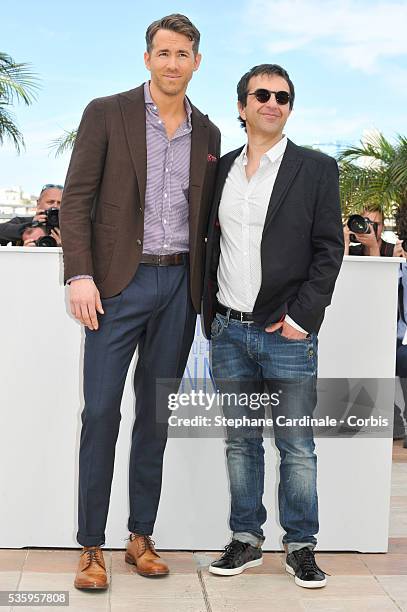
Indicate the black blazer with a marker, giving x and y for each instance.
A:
(302, 243)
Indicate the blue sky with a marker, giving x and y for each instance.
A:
(347, 60)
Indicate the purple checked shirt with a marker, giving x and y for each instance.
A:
(166, 211)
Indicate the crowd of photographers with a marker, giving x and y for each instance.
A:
(362, 234)
(41, 230)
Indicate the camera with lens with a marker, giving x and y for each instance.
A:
(51, 221)
(360, 225)
(45, 241)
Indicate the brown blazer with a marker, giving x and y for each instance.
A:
(102, 209)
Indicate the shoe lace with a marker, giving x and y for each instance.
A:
(149, 542)
(307, 559)
(94, 554)
(146, 542)
(233, 548)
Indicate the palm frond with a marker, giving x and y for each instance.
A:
(8, 129)
(17, 81)
(375, 148)
(63, 143)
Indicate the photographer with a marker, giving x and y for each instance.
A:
(38, 237)
(46, 215)
(370, 241)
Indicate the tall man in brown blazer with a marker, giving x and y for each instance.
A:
(133, 220)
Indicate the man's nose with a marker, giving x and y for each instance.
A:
(272, 102)
(172, 61)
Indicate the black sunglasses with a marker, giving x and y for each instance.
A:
(264, 95)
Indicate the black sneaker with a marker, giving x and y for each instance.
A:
(301, 564)
(237, 557)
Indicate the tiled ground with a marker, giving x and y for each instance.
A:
(358, 582)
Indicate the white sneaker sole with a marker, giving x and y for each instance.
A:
(318, 584)
(219, 571)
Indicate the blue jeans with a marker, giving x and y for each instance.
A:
(249, 359)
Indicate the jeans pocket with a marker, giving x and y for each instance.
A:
(308, 337)
(218, 325)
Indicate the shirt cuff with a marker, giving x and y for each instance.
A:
(78, 277)
(294, 324)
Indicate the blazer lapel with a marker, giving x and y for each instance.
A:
(199, 161)
(225, 165)
(289, 167)
(197, 170)
(134, 119)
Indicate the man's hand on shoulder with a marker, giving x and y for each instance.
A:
(85, 302)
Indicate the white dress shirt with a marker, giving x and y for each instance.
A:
(242, 212)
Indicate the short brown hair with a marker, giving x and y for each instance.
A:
(373, 208)
(175, 23)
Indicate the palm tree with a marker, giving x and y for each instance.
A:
(17, 82)
(64, 143)
(374, 173)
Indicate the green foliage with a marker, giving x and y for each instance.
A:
(17, 83)
(64, 143)
(374, 173)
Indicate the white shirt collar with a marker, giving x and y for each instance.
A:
(273, 154)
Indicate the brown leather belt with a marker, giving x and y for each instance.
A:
(177, 259)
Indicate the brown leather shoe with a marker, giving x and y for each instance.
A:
(141, 553)
(91, 572)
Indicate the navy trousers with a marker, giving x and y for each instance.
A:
(154, 313)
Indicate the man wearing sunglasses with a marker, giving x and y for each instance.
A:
(134, 218)
(275, 247)
(50, 197)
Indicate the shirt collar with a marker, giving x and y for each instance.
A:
(149, 100)
(273, 154)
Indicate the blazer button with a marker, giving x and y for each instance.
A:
(139, 242)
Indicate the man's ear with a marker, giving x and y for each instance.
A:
(198, 59)
(147, 60)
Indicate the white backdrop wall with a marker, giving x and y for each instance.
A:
(41, 401)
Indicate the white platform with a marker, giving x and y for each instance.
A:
(41, 401)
